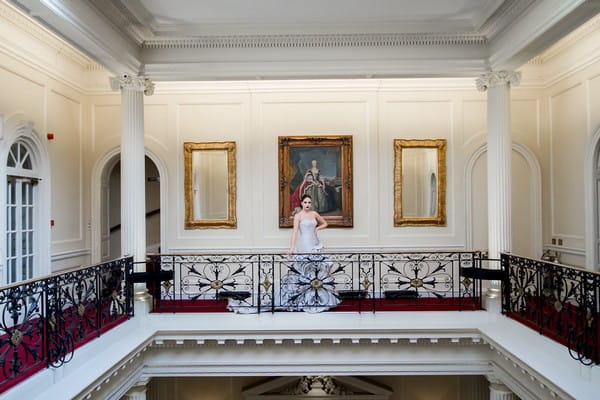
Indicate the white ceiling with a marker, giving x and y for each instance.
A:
(247, 39)
(302, 16)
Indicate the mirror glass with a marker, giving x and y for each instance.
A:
(210, 185)
(419, 182)
(419, 177)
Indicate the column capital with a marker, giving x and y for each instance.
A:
(496, 78)
(128, 82)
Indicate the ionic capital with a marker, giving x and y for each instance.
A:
(496, 78)
(128, 82)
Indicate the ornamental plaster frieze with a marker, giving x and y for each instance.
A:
(318, 41)
(497, 78)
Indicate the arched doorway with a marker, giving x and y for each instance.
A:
(526, 202)
(106, 234)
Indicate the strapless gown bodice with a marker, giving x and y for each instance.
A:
(307, 236)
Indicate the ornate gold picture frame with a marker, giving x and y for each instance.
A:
(320, 166)
(419, 182)
(210, 185)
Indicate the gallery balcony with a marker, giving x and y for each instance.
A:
(362, 311)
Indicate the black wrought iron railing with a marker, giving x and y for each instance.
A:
(42, 321)
(559, 301)
(254, 283)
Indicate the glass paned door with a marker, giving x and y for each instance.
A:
(20, 203)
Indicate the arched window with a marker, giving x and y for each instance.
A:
(21, 212)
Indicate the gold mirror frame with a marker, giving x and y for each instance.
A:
(440, 218)
(231, 221)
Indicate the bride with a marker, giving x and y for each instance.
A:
(306, 225)
(309, 285)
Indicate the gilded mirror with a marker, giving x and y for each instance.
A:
(419, 182)
(210, 185)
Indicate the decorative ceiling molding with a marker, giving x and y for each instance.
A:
(123, 19)
(26, 24)
(571, 39)
(303, 41)
(504, 16)
(133, 19)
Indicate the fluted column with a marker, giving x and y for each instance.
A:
(138, 392)
(133, 189)
(499, 391)
(499, 152)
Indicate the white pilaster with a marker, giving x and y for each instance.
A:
(499, 152)
(133, 190)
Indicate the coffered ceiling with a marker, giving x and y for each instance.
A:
(262, 39)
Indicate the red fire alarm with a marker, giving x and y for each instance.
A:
(50, 135)
(51, 222)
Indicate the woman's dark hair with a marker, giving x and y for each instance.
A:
(306, 196)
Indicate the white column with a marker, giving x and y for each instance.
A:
(133, 189)
(499, 391)
(499, 152)
(138, 392)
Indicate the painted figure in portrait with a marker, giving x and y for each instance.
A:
(316, 171)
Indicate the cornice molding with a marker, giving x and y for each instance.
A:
(14, 16)
(318, 41)
(141, 27)
(504, 16)
(123, 19)
(502, 366)
(570, 40)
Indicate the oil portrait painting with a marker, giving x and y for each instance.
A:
(320, 166)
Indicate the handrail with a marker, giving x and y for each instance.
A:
(280, 282)
(283, 252)
(57, 273)
(573, 267)
(560, 302)
(43, 320)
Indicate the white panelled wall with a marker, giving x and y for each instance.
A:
(254, 114)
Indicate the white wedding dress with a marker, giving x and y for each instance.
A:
(307, 237)
(309, 285)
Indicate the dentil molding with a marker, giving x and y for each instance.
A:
(317, 41)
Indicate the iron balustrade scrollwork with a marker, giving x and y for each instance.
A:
(316, 282)
(43, 321)
(559, 301)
